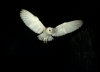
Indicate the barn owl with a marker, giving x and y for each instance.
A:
(46, 33)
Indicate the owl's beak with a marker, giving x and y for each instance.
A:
(50, 32)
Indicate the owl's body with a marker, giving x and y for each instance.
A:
(46, 34)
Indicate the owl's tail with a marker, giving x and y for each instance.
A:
(40, 37)
(49, 38)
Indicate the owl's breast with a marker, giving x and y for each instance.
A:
(45, 34)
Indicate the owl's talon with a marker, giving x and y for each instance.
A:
(45, 42)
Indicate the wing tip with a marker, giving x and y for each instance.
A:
(81, 22)
(22, 10)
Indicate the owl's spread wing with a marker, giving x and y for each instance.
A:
(32, 21)
(67, 27)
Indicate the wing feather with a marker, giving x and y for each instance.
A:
(32, 21)
(67, 27)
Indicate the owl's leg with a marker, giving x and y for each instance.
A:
(45, 40)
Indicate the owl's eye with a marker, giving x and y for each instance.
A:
(49, 30)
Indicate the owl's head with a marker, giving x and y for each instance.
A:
(49, 30)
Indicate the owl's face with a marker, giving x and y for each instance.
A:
(49, 30)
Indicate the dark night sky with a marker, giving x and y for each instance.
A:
(21, 41)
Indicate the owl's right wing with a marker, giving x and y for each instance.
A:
(32, 21)
(67, 27)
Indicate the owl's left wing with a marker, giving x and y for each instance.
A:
(31, 21)
(67, 27)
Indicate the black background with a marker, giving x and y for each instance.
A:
(76, 50)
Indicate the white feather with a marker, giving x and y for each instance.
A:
(67, 27)
(32, 21)
(35, 25)
(50, 38)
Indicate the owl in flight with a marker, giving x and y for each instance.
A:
(46, 34)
